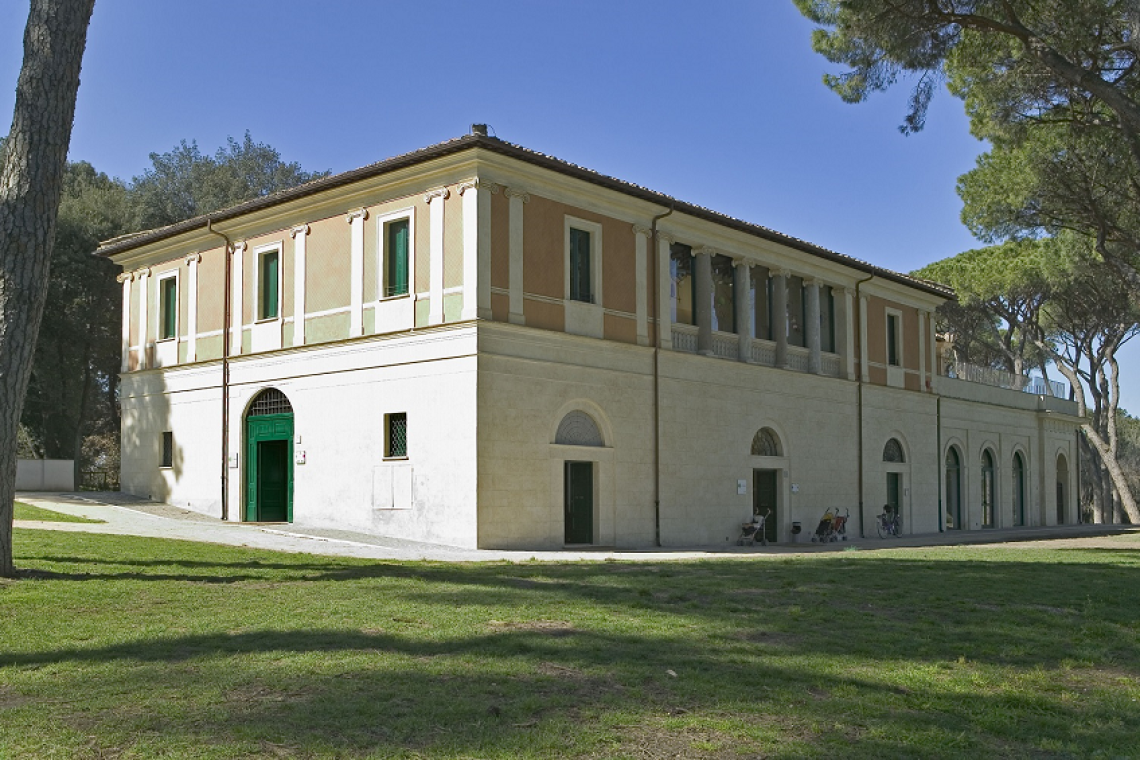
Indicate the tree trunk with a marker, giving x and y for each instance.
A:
(31, 179)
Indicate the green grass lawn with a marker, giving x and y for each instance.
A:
(118, 647)
(28, 512)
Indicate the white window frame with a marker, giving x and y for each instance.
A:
(382, 223)
(171, 274)
(896, 375)
(258, 252)
(595, 231)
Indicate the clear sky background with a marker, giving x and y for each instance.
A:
(718, 103)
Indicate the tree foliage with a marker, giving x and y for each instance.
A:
(183, 183)
(1053, 85)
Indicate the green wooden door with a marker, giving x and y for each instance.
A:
(764, 499)
(579, 502)
(894, 492)
(269, 468)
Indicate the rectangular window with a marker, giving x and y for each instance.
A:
(396, 435)
(268, 284)
(761, 303)
(168, 308)
(167, 449)
(893, 340)
(580, 289)
(797, 311)
(396, 234)
(826, 319)
(724, 300)
(682, 288)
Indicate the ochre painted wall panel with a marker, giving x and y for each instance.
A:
(543, 247)
(621, 329)
(545, 315)
(500, 243)
(327, 259)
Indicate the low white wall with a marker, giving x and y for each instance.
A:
(45, 475)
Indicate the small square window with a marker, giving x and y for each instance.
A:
(168, 307)
(396, 238)
(167, 449)
(268, 284)
(396, 435)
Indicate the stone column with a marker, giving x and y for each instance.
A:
(745, 323)
(192, 262)
(476, 195)
(664, 290)
(641, 282)
(435, 200)
(143, 276)
(921, 351)
(702, 274)
(811, 288)
(780, 316)
(356, 221)
(515, 254)
(236, 300)
(125, 345)
(300, 236)
(845, 331)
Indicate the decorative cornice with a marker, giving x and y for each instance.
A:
(511, 192)
(194, 258)
(639, 230)
(440, 192)
(300, 229)
(480, 184)
(125, 277)
(352, 216)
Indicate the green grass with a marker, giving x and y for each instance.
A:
(123, 647)
(28, 512)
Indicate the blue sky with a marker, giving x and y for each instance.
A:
(719, 103)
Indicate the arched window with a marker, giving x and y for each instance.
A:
(765, 443)
(1018, 490)
(578, 429)
(270, 401)
(953, 488)
(893, 452)
(1062, 487)
(988, 489)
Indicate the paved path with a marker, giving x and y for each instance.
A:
(126, 515)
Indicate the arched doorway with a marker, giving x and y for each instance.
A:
(580, 502)
(1062, 487)
(953, 489)
(269, 458)
(1018, 490)
(894, 464)
(766, 482)
(988, 490)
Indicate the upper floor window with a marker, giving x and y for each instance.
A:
(168, 307)
(723, 294)
(582, 261)
(580, 266)
(761, 302)
(826, 319)
(396, 240)
(269, 283)
(682, 286)
(894, 339)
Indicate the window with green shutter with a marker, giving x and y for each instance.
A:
(396, 258)
(168, 308)
(269, 269)
(580, 289)
(893, 340)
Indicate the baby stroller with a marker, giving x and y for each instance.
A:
(832, 527)
(750, 531)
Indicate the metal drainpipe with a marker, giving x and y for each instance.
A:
(859, 395)
(228, 253)
(656, 290)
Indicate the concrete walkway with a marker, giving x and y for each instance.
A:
(126, 515)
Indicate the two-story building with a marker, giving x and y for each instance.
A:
(481, 345)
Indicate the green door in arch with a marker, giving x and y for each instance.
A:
(579, 502)
(269, 468)
(764, 499)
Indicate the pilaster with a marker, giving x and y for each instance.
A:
(745, 324)
(702, 273)
(811, 290)
(236, 299)
(300, 235)
(192, 262)
(640, 262)
(356, 221)
(664, 286)
(517, 198)
(476, 195)
(125, 345)
(143, 276)
(780, 315)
